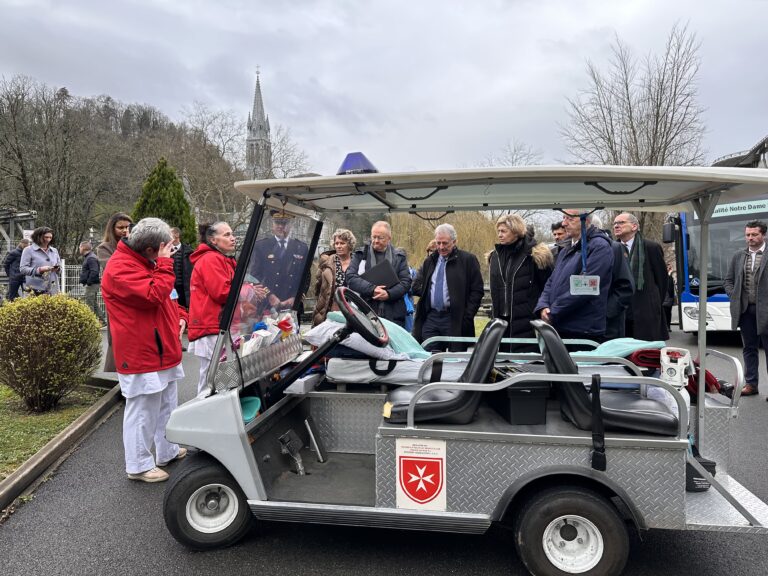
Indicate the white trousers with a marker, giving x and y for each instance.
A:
(204, 363)
(144, 422)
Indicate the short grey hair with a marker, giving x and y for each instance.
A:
(86, 244)
(148, 233)
(212, 230)
(447, 229)
(383, 224)
(631, 218)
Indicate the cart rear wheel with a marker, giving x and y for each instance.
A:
(204, 507)
(571, 530)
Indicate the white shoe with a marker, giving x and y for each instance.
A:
(153, 475)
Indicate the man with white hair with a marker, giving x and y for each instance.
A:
(451, 291)
(146, 324)
(574, 314)
(387, 301)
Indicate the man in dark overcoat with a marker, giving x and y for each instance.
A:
(746, 284)
(451, 292)
(645, 319)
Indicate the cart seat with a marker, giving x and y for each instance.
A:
(451, 406)
(622, 410)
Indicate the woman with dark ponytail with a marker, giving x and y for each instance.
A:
(214, 269)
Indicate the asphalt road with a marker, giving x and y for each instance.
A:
(89, 519)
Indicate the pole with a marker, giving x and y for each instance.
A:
(704, 207)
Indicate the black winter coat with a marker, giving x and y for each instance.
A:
(465, 290)
(392, 309)
(89, 273)
(518, 273)
(646, 315)
(182, 269)
(11, 264)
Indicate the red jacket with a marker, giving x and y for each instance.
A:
(211, 280)
(143, 319)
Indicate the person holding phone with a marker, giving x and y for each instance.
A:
(41, 264)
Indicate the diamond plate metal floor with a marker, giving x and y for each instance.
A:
(710, 511)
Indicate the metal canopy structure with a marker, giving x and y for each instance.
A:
(647, 188)
(12, 225)
(643, 188)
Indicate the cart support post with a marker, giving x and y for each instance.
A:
(704, 207)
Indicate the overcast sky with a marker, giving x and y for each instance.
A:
(415, 85)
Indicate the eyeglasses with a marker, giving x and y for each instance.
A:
(620, 223)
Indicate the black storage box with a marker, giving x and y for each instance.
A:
(524, 403)
(694, 481)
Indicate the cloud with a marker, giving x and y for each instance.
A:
(414, 85)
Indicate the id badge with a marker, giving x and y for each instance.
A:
(174, 294)
(585, 285)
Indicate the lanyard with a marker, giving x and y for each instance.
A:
(583, 219)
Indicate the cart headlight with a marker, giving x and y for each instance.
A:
(693, 313)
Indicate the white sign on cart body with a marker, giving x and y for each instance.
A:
(421, 475)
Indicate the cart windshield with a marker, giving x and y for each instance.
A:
(277, 272)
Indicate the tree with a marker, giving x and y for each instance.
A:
(640, 114)
(162, 196)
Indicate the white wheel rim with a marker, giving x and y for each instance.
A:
(212, 508)
(573, 544)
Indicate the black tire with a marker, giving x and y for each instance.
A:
(204, 507)
(571, 530)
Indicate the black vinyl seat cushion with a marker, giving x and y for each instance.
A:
(452, 406)
(623, 410)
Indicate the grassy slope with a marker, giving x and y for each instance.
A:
(23, 433)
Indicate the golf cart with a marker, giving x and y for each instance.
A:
(594, 456)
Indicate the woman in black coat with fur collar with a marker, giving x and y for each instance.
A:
(519, 267)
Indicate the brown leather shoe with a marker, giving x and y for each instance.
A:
(748, 390)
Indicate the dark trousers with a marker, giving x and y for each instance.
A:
(752, 342)
(437, 324)
(565, 335)
(14, 287)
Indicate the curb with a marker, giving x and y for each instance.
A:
(31, 470)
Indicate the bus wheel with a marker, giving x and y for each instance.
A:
(571, 530)
(204, 506)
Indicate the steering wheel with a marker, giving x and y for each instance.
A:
(360, 317)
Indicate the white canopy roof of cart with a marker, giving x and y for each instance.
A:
(651, 188)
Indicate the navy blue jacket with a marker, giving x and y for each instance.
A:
(584, 314)
(89, 273)
(11, 264)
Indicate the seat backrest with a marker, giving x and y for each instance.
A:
(575, 402)
(484, 355)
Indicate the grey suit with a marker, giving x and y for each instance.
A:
(752, 319)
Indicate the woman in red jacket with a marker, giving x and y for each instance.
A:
(146, 325)
(214, 268)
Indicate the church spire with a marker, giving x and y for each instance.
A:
(259, 120)
(258, 144)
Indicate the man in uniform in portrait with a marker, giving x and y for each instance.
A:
(278, 262)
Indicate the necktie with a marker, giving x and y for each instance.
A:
(626, 249)
(439, 302)
(281, 251)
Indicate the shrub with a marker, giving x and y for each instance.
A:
(50, 346)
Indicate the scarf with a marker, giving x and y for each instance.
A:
(637, 261)
(389, 255)
(340, 276)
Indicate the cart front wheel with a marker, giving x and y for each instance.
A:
(204, 507)
(571, 530)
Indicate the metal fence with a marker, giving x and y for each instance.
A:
(70, 284)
